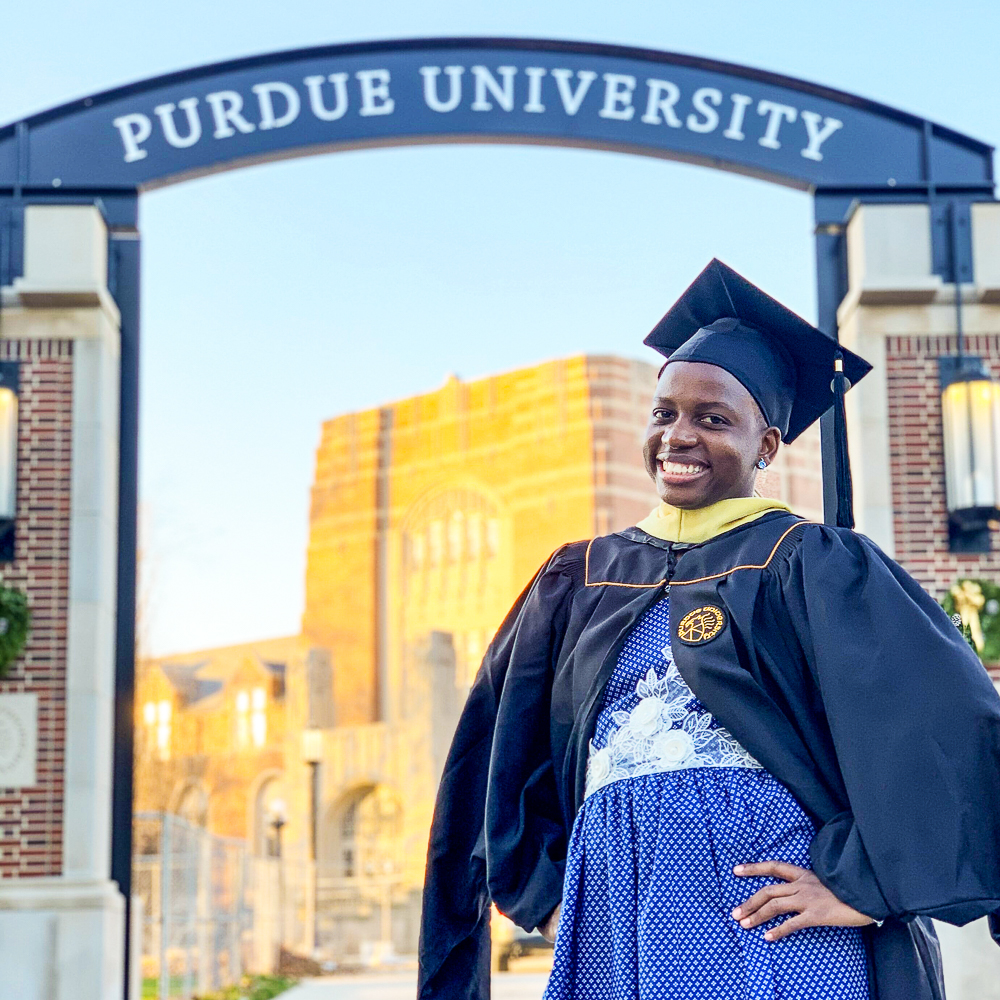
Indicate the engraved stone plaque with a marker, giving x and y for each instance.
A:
(18, 740)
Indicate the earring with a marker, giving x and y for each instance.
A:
(762, 464)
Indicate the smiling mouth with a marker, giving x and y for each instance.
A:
(678, 473)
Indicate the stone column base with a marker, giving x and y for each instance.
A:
(61, 939)
(971, 961)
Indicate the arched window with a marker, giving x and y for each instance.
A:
(269, 815)
(192, 806)
(348, 839)
(366, 832)
(453, 573)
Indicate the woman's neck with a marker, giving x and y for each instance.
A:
(675, 524)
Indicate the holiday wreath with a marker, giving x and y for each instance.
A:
(978, 604)
(15, 623)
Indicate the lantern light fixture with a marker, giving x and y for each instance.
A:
(970, 413)
(9, 390)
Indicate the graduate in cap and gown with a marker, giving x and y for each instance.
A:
(727, 752)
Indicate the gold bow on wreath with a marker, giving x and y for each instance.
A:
(969, 601)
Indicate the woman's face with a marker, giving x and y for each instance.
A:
(705, 436)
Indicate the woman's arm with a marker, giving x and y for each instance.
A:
(525, 830)
(915, 723)
(551, 925)
(454, 931)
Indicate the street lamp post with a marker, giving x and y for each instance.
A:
(312, 754)
(385, 930)
(279, 817)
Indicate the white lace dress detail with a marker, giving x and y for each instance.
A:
(666, 729)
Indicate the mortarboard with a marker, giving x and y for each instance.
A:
(789, 366)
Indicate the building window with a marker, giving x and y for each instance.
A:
(242, 719)
(456, 525)
(417, 551)
(156, 718)
(258, 718)
(436, 539)
(475, 650)
(251, 718)
(474, 535)
(493, 537)
(453, 569)
(163, 713)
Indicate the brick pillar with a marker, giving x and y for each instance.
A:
(920, 516)
(32, 816)
(61, 917)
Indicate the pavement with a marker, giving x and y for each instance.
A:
(403, 986)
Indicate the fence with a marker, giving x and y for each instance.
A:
(212, 911)
(197, 914)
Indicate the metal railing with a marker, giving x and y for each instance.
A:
(211, 911)
(198, 906)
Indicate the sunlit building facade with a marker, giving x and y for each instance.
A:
(428, 516)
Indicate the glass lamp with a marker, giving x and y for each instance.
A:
(312, 745)
(970, 412)
(9, 371)
(278, 813)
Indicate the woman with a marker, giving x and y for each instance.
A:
(725, 753)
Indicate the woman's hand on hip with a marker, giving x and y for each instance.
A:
(801, 893)
(551, 925)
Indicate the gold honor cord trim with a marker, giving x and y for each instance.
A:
(763, 565)
(683, 583)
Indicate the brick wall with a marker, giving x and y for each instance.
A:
(796, 475)
(920, 519)
(31, 818)
(620, 394)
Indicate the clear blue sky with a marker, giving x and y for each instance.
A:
(277, 296)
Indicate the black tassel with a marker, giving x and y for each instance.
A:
(845, 491)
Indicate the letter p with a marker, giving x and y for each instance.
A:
(134, 129)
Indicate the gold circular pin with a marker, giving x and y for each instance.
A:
(701, 625)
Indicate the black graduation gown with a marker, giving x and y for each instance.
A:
(833, 667)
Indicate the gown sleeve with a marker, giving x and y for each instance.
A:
(509, 689)
(915, 722)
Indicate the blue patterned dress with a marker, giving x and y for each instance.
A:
(672, 803)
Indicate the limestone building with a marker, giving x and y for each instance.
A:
(211, 728)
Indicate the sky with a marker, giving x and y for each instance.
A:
(277, 296)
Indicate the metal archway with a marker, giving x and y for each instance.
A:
(108, 148)
(221, 116)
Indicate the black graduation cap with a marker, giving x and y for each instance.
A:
(794, 371)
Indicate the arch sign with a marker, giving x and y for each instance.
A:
(106, 149)
(296, 103)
